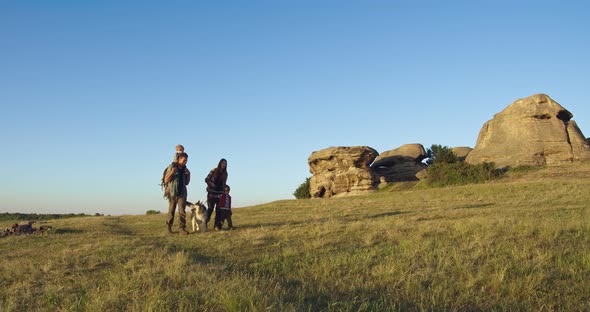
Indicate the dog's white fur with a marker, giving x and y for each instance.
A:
(198, 216)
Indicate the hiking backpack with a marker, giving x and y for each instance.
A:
(163, 184)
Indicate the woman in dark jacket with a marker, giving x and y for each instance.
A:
(215, 180)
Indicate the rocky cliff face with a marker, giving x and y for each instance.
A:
(532, 131)
(344, 170)
(341, 171)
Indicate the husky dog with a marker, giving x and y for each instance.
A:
(44, 228)
(198, 216)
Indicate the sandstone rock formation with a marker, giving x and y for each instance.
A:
(400, 164)
(532, 131)
(461, 152)
(341, 171)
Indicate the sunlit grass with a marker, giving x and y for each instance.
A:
(521, 243)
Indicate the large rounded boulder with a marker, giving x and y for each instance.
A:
(532, 131)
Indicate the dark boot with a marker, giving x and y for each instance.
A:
(170, 230)
(183, 231)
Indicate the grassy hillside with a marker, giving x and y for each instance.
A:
(521, 244)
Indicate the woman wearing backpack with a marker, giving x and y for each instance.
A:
(215, 180)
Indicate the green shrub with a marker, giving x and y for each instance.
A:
(457, 173)
(438, 154)
(302, 190)
(151, 212)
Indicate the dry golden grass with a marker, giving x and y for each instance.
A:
(521, 243)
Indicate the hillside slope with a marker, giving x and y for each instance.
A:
(521, 243)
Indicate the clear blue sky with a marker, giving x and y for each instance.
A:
(95, 95)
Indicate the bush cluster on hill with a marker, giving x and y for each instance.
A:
(458, 173)
(444, 168)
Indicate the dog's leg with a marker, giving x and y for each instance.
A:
(193, 219)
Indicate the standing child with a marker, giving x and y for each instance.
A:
(224, 210)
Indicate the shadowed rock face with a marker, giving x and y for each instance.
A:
(532, 131)
(341, 170)
(400, 164)
(461, 152)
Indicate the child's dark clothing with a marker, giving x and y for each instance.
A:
(223, 211)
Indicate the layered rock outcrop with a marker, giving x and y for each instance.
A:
(341, 171)
(532, 131)
(345, 170)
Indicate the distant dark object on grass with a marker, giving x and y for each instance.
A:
(151, 212)
(25, 229)
(7, 216)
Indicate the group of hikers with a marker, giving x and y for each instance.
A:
(175, 180)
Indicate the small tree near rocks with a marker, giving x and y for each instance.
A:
(438, 154)
(444, 168)
(302, 190)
